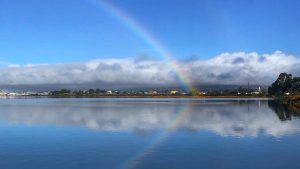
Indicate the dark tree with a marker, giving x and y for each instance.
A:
(97, 91)
(283, 84)
(91, 91)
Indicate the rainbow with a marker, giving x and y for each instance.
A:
(159, 139)
(149, 38)
(183, 76)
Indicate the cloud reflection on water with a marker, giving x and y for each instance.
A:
(225, 118)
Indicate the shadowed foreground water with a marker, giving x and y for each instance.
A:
(50, 133)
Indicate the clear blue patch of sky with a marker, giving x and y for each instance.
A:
(60, 31)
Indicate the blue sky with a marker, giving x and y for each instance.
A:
(66, 31)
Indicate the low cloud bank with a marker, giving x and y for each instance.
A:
(227, 68)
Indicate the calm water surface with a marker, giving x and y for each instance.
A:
(50, 133)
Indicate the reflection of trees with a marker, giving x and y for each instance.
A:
(283, 110)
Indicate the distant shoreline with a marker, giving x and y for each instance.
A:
(174, 97)
(120, 96)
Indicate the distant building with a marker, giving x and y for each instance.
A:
(203, 93)
(154, 92)
(174, 92)
(257, 92)
(12, 94)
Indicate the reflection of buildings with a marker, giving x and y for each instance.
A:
(284, 111)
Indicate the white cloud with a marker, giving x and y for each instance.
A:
(226, 68)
